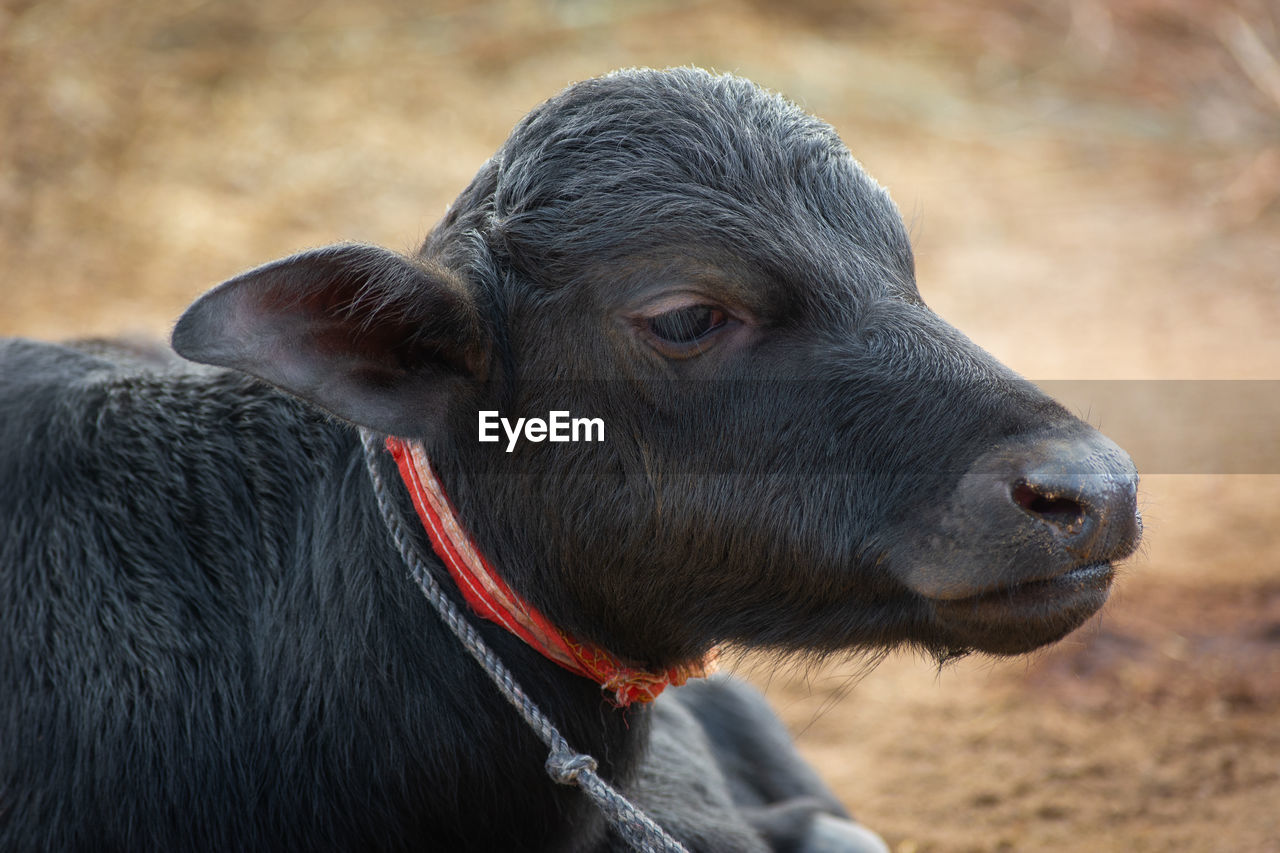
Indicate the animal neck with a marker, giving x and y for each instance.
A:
(490, 597)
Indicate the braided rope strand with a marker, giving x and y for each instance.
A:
(564, 765)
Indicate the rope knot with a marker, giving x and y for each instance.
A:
(564, 765)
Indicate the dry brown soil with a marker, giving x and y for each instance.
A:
(1094, 193)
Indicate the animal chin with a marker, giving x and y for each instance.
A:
(1015, 619)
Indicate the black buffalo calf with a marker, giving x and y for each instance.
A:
(207, 639)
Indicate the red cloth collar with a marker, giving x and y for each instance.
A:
(490, 597)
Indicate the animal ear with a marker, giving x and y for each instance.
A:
(376, 338)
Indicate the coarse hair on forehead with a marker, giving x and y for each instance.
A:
(641, 159)
(658, 127)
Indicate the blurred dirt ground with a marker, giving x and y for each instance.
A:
(1094, 192)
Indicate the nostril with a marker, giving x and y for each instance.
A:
(1061, 512)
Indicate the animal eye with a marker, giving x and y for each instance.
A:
(687, 325)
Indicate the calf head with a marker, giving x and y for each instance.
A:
(798, 453)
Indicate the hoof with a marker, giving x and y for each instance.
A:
(830, 834)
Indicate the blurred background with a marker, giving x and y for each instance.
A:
(1093, 189)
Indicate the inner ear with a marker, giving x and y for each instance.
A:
(376, 338)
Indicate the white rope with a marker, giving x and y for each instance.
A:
(563, 764)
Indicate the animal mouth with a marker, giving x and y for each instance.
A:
(1018, 618)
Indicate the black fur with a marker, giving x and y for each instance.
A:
(213, 644)
(208, 642)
